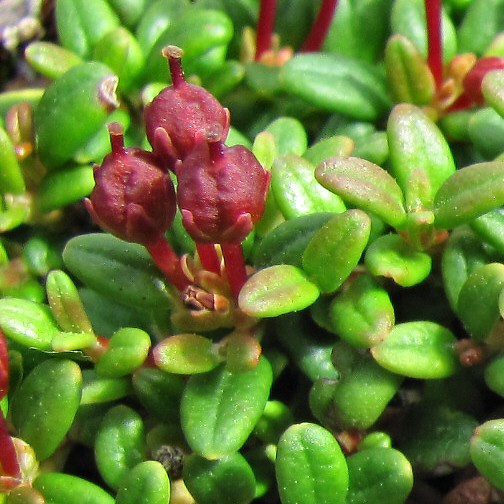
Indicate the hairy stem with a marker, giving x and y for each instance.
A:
(320, 27)
(265, 25)
(435, 51)
(235, 266)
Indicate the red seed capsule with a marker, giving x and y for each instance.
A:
(221, 192)
(181, 114)
(134, 198)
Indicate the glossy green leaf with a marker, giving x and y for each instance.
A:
(365, 185)
(127, 350)
(376, 439)
(11, 177)
(305, 344)
(415, 142)
(97, 389)
(120, 270)
(220, 409)
(71, 341)
(363, 392)
(146, 483)
(336, 83)
(490, 227)
(228, 480)
(186, 354)
(492, 88)
(82, 23)
(362, 314)
(50, 59)
(66, 304)
(420, 349)
(60, 488)
(390, 256)
(487, 451)
(408, 73)
(64, 187)
(86, 91)
(310, 466)
(44, 406)
(119, 445)
(277, 290)
(435, 437)
(296, 190)
(276, 417)
(494, 374)
(286, 243)
(28, 323)
(379, 475)
(335, 146)
(24, 495)
(120, 51)
(485, 129)
(335, 250)
(470, 192)
(478, 301)
(159, 392)
(289, 136)
(129, 11)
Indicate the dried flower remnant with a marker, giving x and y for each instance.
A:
(181, 114)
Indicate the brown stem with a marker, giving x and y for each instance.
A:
(320, 27)
(208, 257)
(235, 266)
(435, 51)
(265, 25)
(168, 262)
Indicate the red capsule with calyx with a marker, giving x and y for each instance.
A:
(473, 79)
(133, 198)
(221, 192)
(181, 113)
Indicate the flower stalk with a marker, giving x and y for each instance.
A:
(265, 27)
(318, 33)
(435, 50)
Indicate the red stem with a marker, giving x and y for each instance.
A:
(168, 262)
(208, 257)
(174, 56)
(4, 366)
(320, 27)
(235, 266)
(435, 51)
(265, 25)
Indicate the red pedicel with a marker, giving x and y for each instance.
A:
(182, 113)
(134, 198)
(221, 192)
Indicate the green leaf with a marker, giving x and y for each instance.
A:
(50, 59)
(336, 83)
(146, 483)
(478, 301)
(470, 192)
(390, 256)
(335, 146)
(97, 389)
(289, 136)
(415, 142)
(82, 23)
(228, 480)
(277, 290)
(310, 466)
(220, 409)
(492, 88)
(362, 314)
(490, 227)
(60, 488)
(365, 185)
(28, 323)
(11, 177)
(186, 354)
(487, 451)
(422, 349)
(485, 129)
(86, 91)
(66, 304)
(44, 406)
(127, 350)
(119, 445)
(335, 250)
(120, 270)
(408, 73)
(296, 190)
(379, 475)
